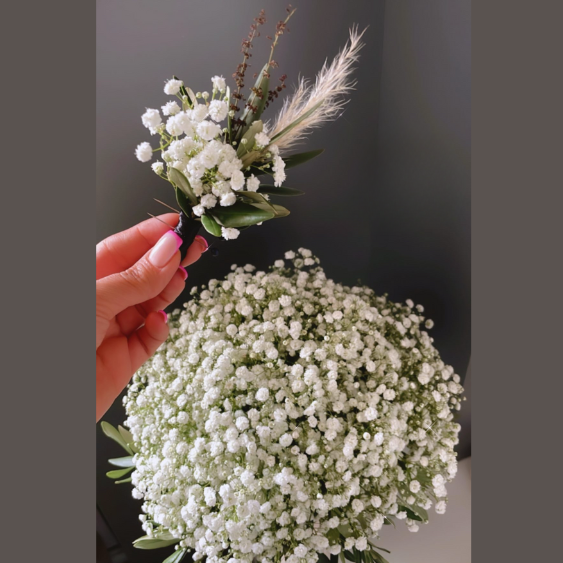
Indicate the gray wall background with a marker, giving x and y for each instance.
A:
(388, 203)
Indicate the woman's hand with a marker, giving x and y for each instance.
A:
(138, 273)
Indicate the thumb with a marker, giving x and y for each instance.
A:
(142, 281)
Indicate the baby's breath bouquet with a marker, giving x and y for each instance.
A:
(215, 146)
(287, 419)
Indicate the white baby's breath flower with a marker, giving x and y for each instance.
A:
(361, 544)
(208, 130)
(237, 180)
(174, 126)
(414, 486)
(252, 183)
(279, 171)
(219, 83)
(377, 522)
(262, 140)
(170, 108)
(198, 113)
(208, 201)
(172, 87)
(228, 199)
(218, 110)
(158, 167)
(143, 152)
(286, 440)
(151, 120)
(440, 507)
(229, 233)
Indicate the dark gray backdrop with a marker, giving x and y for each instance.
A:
(387, 203)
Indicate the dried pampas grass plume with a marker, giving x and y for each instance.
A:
(312, 106)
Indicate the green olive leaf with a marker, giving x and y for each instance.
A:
(300, 158)
(378, 557)
(191, 96)
(146, 542)
(362, 520)
(181, 182)
(282, 190)
(210, 225)
(248, 159)
(377, 547)
(186, 91)
(118, 473)
(262, 84)
(163, 534)
(352, 556)
(421, 512)
(176, 557)
(183, 201)
(253, 197)
(240, 215)
(229, 118)
(183, 90)
(127, 436)
(410, 514)
(279, 210)
(113, 433)
(244, 148)
(423, 478)
(122, 461)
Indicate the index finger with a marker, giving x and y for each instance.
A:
(120, 251)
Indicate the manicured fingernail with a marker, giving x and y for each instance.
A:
(165, 249)
(200, 238)
(164, 316)
(184, 272)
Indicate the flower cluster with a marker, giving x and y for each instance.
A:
(214, 157)
(193, 142)
(288, 415)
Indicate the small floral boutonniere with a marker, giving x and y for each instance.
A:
(215, 146)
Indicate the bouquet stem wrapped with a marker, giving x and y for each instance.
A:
(187, 230)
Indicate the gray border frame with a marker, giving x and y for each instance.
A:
(48, 383)
(516, 257)
(48, 204)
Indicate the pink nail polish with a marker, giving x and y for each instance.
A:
(178, 238)
(184, 272)
(164, 316)
(165, 249)
(199, 237)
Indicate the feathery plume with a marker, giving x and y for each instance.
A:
(312, 106)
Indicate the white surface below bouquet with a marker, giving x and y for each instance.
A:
(289, 418)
